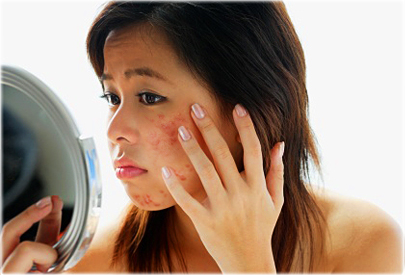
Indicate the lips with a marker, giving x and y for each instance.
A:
(125, 168)
(128, 172)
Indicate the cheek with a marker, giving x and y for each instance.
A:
(163, 139)
(165, 148)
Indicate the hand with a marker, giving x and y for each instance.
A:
(236, 221)
(19, 257)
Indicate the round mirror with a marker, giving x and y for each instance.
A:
(43, 154)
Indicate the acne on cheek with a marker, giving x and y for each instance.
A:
(163, 140)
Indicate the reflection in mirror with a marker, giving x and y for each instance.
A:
(35, 161)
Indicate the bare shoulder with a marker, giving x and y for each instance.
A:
(363, 237)
(97, 258)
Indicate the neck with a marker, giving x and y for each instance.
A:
(186, 232)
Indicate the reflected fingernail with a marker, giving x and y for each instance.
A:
(281, 149)
(44, 202)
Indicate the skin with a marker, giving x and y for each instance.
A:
(214, 233)
(18, 257)
(147, 134)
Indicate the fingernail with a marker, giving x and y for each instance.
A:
(185, 135)
(44, 202)
(240, 110)
(198, 111)
(166, 172)
(281, 149)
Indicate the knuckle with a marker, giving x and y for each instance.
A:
(222, 152)
(193, 149)
(6, 228)
(256, 150)
(246, 123)
(207, 127)
(208, 171)
(29, 213)
(25, 247)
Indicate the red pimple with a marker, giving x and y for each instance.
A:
(179, 175)
(161, 191)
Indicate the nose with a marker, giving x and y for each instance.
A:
(122, 127)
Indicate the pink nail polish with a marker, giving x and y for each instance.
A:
(44, 202)
(185, 135)
(240, 110)
(281, 149)
(198, 111)
(166, 172)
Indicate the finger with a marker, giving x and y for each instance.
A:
(26, 254)
(12, 230)
(202, 164)
(252, 150)
(189, 205)
(224, 162)
(275, 176)
(49, 227)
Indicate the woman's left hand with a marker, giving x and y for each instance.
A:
(236, 221)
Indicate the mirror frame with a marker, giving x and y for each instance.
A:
(87, 181)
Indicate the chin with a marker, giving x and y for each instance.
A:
(151, 207)
(152, 203)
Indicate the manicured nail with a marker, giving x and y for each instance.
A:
(198, 111)
(240, 110)
(281, 149)
(44, 202)
(185, 135)
(166, 172)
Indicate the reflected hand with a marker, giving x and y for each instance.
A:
(237, 220)
(18, 257)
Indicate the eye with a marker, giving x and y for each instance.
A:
(150, 99)
(112, 99)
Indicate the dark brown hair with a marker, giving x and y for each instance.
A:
(247, 53)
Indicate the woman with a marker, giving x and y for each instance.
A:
(215, 93)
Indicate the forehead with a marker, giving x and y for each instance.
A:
(142, 42)
(140, 46)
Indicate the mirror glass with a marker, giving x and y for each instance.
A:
(34, 160)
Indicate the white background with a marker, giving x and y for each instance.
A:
(354, 79)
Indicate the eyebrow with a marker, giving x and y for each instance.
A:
(142, 71)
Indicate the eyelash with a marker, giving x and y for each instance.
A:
(107, 96)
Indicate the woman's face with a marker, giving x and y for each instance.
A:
(142, 129)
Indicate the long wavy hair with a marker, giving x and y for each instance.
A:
(246, 53)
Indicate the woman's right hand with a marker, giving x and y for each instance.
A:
(19, 257)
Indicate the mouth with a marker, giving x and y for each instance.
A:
(126, 172)
(126, 168)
